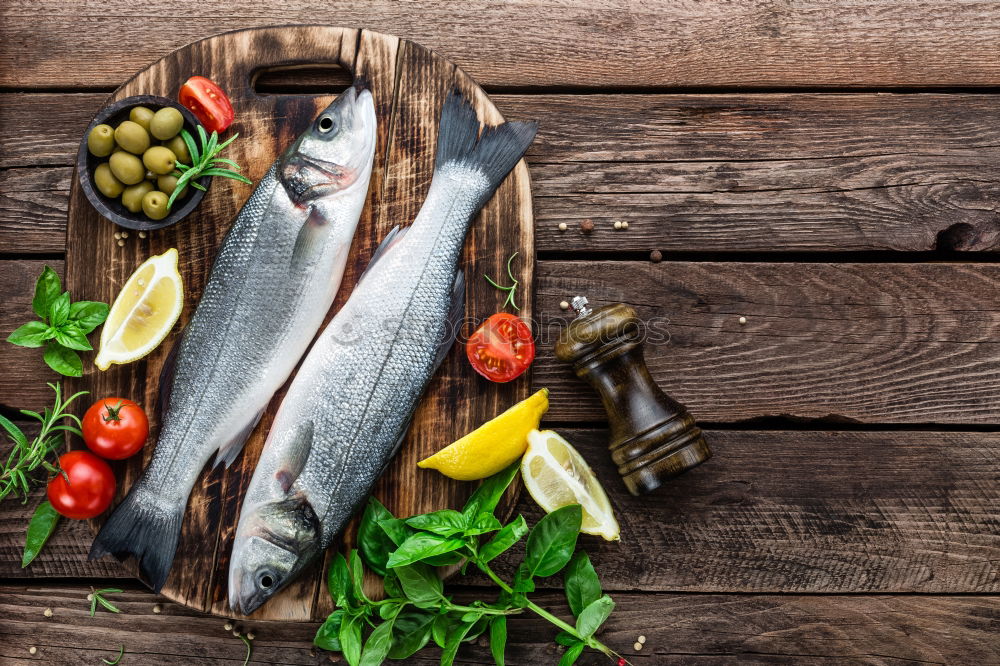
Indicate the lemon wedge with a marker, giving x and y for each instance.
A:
(555, 475)
(493, 445)
(145, 310)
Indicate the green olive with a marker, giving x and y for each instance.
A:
(101, 141)
(166, 123)
(132, 196)
(180, 149)
(127, 167)
(132, 137)
(141, 115)
(154, 205)
(159, 159)
(168, 184)
(106, 182)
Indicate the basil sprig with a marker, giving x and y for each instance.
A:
(63, 326)
(416, 610)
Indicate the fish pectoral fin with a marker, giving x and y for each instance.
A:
(227, 453)
(394, 236)
(456, 311)
(310, 240)
(299, 446)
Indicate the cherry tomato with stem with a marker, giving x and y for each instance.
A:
(206, 100)
(502, 348)
(84, 488)
(115, 428)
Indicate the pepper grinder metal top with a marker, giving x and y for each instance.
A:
(653, 437)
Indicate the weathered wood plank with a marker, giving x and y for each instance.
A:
(688, 172)
(704, 629)
(536, 43)
(771, 512)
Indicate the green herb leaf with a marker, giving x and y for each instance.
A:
(571, 654)
(88, 315)
(455, 637)
(47, 290)
(396, 529)
(59, 310)
(191, 146)
(440, 627)
(553, 540)
(445, 522)
(40, 528)
(420, 546)
(69, 336)
(594, 615)
(328, 634)
(507, 536)
(421, 585)
(114, 662)
(62, 360)
(357, 575)
(391, 585)
(338, 581)
(498, 638)
(582, 585)
(566, 638)
(374, 543)
(483, 524)
(20, 439)
(410, 633)
(32, 334)
(444, 559)
(350, 639)
(487, 496)
(378, 644)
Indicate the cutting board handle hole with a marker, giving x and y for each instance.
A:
(325, 79)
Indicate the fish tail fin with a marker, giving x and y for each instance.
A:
(496, 151)
(142, 526)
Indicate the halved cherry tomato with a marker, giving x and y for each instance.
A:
(207, 102)
(90, 488)
(502, 348)
(115, 428)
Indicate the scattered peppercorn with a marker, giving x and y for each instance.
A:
(48, 612)
(618, 224)
(124, 234)
(157, 609)
(121, 243)
(118, 235)
(624, 224)
(587, 226)
(228, 626)
(642, 639)
(142, 234)
(637, 646)
(250, 635)
(743, 320)
(656, 256)
(32, 650)
(563, 226)
(563, 305)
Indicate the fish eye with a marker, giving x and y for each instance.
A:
(265, 580)
(325, 124)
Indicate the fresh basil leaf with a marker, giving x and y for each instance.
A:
(483, 524)
(594, 615)
(59, 310)
(553, 540)
(420, 546)
(488, 494)
(498, 638)
(391, 585)
(328, 634)
(350, 639)
(396, 530)
(440, 627)
(571, 654)
(523, 581)
(566, 638)
(410, 633)
(478, 629)
(32, 334)
(62, 360)
(374, 543)
(421, 585)
(71, 337)
(47, 290)
(385, 611)
(338, 581)
(445, 522)
(40, 528)
(88, 315)
(582, 585)
(455, 637)
(508, 535)
(444, 559)
(378, 644)
(357, 571)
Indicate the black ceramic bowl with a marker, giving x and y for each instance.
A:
(113, 209)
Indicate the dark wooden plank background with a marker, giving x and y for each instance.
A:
(826, 170)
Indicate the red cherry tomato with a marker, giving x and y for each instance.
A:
(207, 102)
(90, 488)
(502, 348)
(115, 428)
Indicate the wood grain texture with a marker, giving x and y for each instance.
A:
(542, 43)
(680, 629)
(408, 102)
(690, 173)
(772, 511)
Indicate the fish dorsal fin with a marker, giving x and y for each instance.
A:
(394, 236)
(299, 446)
(456, 312)
(227, 452)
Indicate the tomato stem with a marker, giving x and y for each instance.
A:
(113, 412)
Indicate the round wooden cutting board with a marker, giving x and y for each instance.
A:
(409, 83)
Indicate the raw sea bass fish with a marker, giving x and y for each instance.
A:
(272, 284)
(351, 402)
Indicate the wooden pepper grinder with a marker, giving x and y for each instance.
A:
(653, 437)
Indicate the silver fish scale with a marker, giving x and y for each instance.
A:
(360, 383)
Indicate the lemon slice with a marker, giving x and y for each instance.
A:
(493, 445)
(555, 475)
(145, 310)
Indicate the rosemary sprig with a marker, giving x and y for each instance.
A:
(121, 653)
(96, 597)
(249, 645)
(27, 456)
(204, 162)
(511, 289)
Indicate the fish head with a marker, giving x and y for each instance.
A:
(274, 542)
(336, 152)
